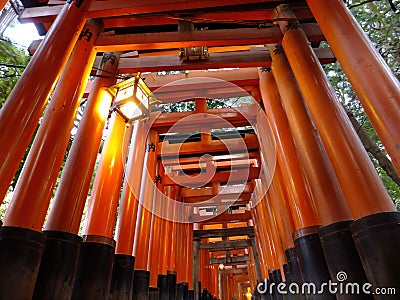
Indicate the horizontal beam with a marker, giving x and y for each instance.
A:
(238, 252)
(226, 245)
(210, 38)
(223, 218)
(259, 57)
(249, 142)
(254, 57)
(200, 17)
(235, 271)
(214, 191)
(242, 59)
(110, 8)
(184, 91)
(168, 161)
(199, 201)
(246, 79)
(236, 176)
(223, 232)
(192, 121)
(229, 260)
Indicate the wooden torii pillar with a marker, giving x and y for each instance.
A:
(339, 250)
(122, 278)
(65, 216)
(26, 214)
(96, 258)
(363, 65)
(24, 106)
(143, 224)
(305, 216)
(375, 231)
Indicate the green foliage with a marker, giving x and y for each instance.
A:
(381, 23)
(12, 63)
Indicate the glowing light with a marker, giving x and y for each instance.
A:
(221, 266)
(248, 294)
(132, 99)
(104, 103)
(130, 110)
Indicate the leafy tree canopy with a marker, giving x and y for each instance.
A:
(12, 63)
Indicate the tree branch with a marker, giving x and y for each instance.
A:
(372, 148)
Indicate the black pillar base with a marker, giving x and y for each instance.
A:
(341, 256)
(292, 273)
(171, 279)
(162, 284)
(263, 289)
(191, 294)
(93, 277)
(293, 265)
(377, 239)
(141, 281)
(21, 250)
(182, 291)
(275, 277)
(58, 266)
(198, 289)
(122, 277)
(205, 294)
(153, 293)
(312, 262)
(286, 272)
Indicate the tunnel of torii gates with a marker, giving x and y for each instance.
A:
(209, 202)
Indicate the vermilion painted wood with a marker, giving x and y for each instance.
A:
(363, 65)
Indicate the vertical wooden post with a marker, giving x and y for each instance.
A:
(127, 216)
(122, 279)
(166, 242)
(301, 205)
(358, 178)
(262, 248)
(308, 248)
(196, 252)
(69, 201)
(325, 188)
(180, 252)
(57, 268)
(143, 224)
(26, 213)
(363, 64)
(189, 254)
(256, 258)
(339, 250)
(280, 206)
(351, 163)
(93, 278)
(172, 193)
(35, 185)
(142, 234)
(103, 204)
(155, 241)
(24, 106)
